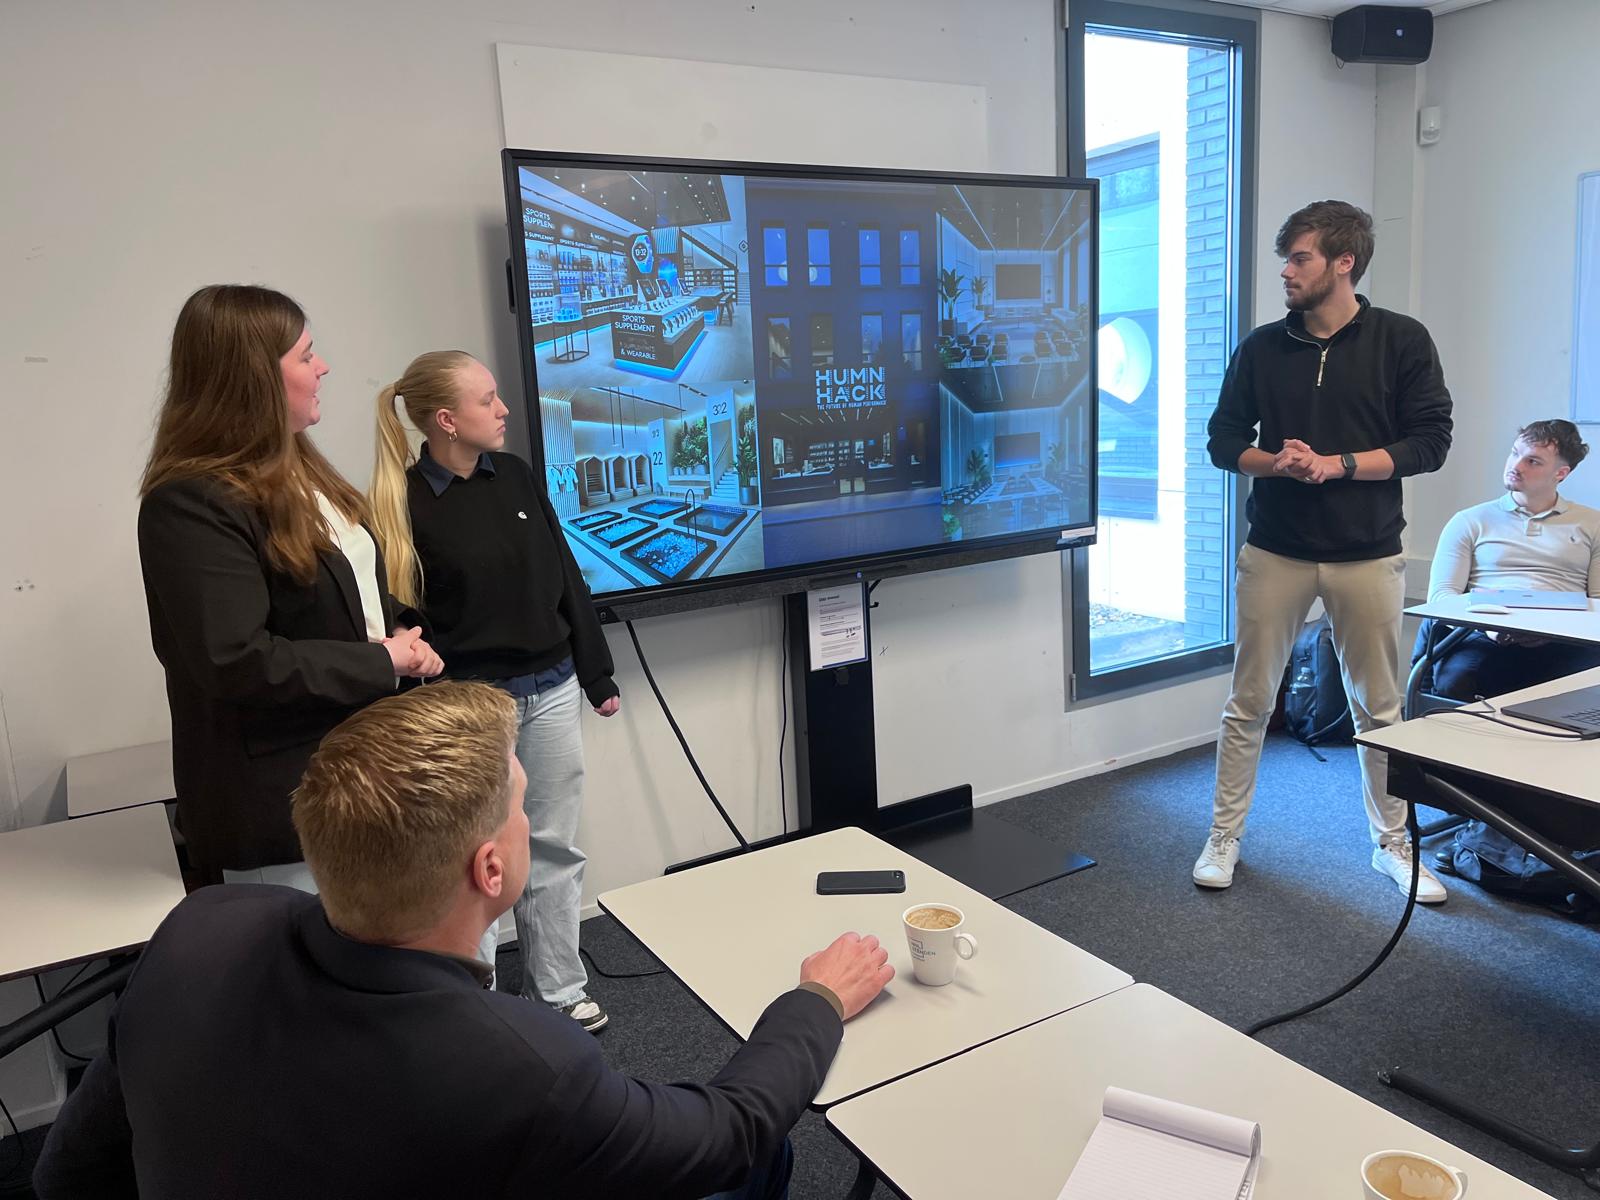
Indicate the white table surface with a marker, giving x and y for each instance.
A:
(1568, 624)
(77, 890)
(1559, 766)
(116, 779)
(1018, 1112)
(736, 931)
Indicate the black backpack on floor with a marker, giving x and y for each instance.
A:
(1315, 710)
(1497, 864)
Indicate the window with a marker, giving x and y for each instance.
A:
(911, 340)
(822, 340)
(1163, 117)
(820, 273)
(871, 339)
(910, 258)
(870, 246)
(780, 354)
(775, 251)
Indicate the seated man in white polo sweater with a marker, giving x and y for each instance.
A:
(1531, 539)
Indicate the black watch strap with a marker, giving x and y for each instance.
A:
(1349, 461)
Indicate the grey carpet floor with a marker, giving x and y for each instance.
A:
(1493, 995)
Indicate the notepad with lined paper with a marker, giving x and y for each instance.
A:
(1146, 1148)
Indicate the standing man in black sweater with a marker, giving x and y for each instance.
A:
(1326, 410)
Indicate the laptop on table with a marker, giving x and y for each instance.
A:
(1508, 598)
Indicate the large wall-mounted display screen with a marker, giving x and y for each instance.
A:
(756, 370)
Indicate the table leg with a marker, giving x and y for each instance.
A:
(1431, 654)
(47, 1016)
(1587, 881)
(866, 1180)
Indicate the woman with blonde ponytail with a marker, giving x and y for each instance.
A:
(266, 592)
(469, 535)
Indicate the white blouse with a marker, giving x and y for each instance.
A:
(355, 543)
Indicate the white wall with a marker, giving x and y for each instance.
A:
(1498, 230)
(1317, 137)
(348, 154)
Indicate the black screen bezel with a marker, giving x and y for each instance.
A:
(727, 588)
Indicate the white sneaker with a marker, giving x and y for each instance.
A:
(1395, 861)
(1214, 867)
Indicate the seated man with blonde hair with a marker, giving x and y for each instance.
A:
(273, 1043)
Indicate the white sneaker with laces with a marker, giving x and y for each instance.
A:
(1214, 867)
(1394, 860)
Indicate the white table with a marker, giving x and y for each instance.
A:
(1559, 767)
(85, 889)
(734, 932)
(1018, 1112)
(98, 783)
(1568, 625)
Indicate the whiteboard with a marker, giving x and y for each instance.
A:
(596, 102)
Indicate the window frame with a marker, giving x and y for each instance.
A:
(913, 265)
(1166, 20)
(862, 265)
(775, 273)
(822, 267)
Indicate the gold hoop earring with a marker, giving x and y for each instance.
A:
(452, 435)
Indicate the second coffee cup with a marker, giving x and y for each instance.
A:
(937, 940)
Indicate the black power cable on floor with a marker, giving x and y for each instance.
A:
(601, 971)
(682, 741)
(1405, 919)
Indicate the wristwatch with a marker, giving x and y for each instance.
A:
(1349, 461)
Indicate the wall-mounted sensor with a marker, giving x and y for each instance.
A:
(1428, 124)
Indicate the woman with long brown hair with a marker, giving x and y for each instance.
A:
(266, 591)
(470, 537)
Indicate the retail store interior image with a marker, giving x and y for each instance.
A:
(637, 272)
(654, 482)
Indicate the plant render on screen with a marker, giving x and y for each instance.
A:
(767, 370)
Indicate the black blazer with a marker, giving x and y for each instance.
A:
(259, 667)
(257, 1054)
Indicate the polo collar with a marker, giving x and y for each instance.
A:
(1508, 503)
(440, 477)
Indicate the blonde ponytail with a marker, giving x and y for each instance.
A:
(391, 513)
(429, 384)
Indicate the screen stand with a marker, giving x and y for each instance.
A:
(837, 768)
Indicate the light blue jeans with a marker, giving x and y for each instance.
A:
(550, 748)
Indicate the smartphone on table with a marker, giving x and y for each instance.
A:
(859, 883)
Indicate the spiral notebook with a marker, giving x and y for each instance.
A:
(1146, 1148)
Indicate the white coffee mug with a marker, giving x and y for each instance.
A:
(934, 952)
(1407, 1175)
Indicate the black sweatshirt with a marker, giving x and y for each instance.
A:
(500, 586)
(1374, 385)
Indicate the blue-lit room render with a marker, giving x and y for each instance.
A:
(1014, 281)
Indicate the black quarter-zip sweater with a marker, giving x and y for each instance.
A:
(1374, 385)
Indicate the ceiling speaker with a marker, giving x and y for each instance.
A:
(1379, 33)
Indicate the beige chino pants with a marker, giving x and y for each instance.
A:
(1272, 596)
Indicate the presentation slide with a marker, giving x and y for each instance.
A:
(737, 373)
